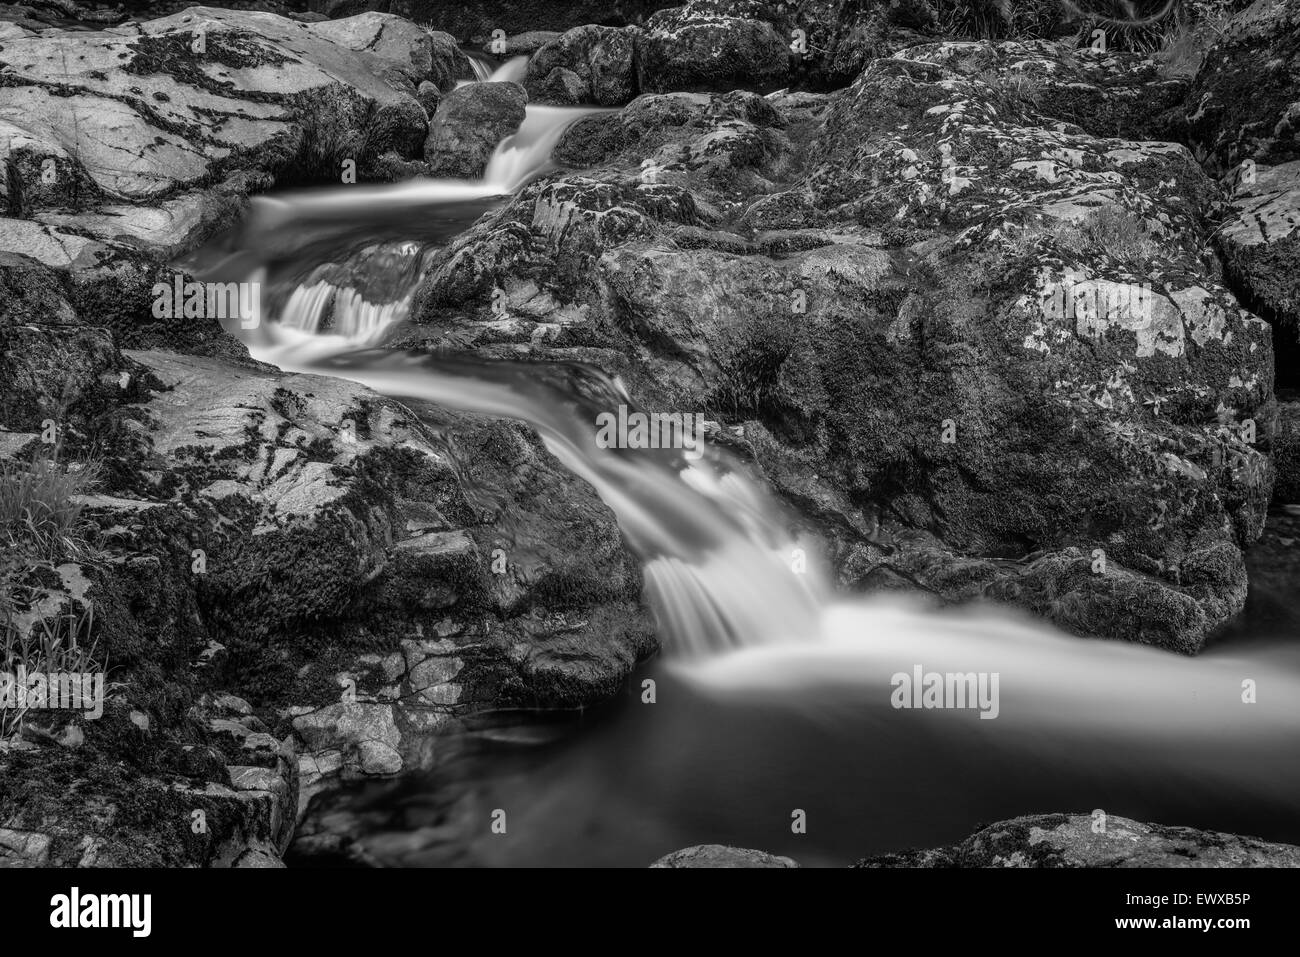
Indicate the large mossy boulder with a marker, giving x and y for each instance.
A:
(471, 121)
(987, 353)
(587, 64)
(702, 47)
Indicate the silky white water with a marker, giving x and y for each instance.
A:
(761, 658)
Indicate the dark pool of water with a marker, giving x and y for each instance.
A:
(629, 782)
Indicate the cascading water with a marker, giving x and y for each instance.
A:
(482, 68)
(717, 561)
(514, 70)
(314, 249)
(773, 695)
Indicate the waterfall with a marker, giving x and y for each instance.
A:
(481, 67)
(514, 70)
(785, 697)
(351, 316)
(719, 560)
(719, 565)
(784, 694)
(526, 153)
(292, 235)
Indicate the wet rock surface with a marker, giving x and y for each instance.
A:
(844, 277)
(998, 319)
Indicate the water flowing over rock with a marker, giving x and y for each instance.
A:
(971, 309)
(926, 252)
(123, 147)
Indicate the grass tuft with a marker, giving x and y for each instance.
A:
(41, 527)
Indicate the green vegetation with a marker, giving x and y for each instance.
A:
(40, 520)
(1115, 232)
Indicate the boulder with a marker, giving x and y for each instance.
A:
(393, 38)
(561, 87)
(601, 60)
(1111, 93)
(324, 510)
(1086, 840)
(719, 855)
(159, 131)
(110, 283)
(449, 62)
(1243, 118)
(429, 96)
(984, 351)
(522, 44)
(146, 110)
(815, 44)
(697, 48)
(469, 124)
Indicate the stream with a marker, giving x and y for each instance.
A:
(773, 695)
